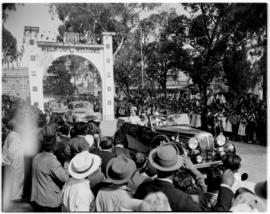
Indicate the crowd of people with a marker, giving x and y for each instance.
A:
(75, 169)
(240, 118)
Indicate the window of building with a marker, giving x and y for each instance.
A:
(35, 88)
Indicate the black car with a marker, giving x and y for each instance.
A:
(203, 149)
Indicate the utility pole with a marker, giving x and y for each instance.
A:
(142, 57)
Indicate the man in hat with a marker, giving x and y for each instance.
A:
(166, 160)
(48, 176)
(77, 195)
(118, 172)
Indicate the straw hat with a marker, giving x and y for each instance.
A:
(83, 165)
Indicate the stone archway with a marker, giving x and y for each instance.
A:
(39, 54)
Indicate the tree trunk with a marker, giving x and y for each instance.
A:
(204, 106)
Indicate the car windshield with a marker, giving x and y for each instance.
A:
(169, 120)
(81, 105)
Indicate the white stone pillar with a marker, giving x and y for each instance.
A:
(31, 55)
(108, 80)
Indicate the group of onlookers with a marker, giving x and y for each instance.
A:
(75, 169)
(240, 118)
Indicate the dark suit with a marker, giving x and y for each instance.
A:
(105, 156)
(181, 201)
(119, 150)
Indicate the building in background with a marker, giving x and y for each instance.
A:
(15, 82)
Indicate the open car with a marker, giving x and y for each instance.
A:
(199, 145)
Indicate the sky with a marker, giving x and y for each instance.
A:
(38, 15)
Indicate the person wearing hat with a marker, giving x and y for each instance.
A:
(118, 172)
(166, 160)
(13, 160)
(134, 119)
(77, 195)
(48, 176)
(260, 189)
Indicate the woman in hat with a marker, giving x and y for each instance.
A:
(76, 194)
(134, 119)
(118, 172)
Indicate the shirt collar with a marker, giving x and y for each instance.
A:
(165, 179)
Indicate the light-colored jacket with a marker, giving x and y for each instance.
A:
(47, 173)
(77, 196)
(12, 154)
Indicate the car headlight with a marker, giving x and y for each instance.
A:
(193, 143)
(221, 140)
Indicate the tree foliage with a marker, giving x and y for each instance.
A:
(100, 17)
(9, 42)
(9, 47)
(58, 82)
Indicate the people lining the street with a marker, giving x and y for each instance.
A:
(73, 174)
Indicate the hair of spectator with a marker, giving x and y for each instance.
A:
(48, 143)
(106, 143)
(80, 128)
(64, 129)
(213, 179)
(231, 161)
(72, 133)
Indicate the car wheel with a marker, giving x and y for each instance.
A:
(158, 140)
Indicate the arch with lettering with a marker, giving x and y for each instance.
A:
(39, 54)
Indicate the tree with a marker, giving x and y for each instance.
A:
(164, 56)
(58, 82)
(98, 18)
(5, 7)
(238, 72)
(9, 48)
(9, 42)
(127, 68)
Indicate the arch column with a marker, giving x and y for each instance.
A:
(108, 78)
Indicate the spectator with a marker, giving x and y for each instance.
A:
(138, 176)
(118, 172)
(166, 160)
(48, 176)
(77, 195)
(78, 143)
(213, 181)
(119, 149)
(13, 160)
(248, 202)
(134, 119)
(105, 153)
(185, 181)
